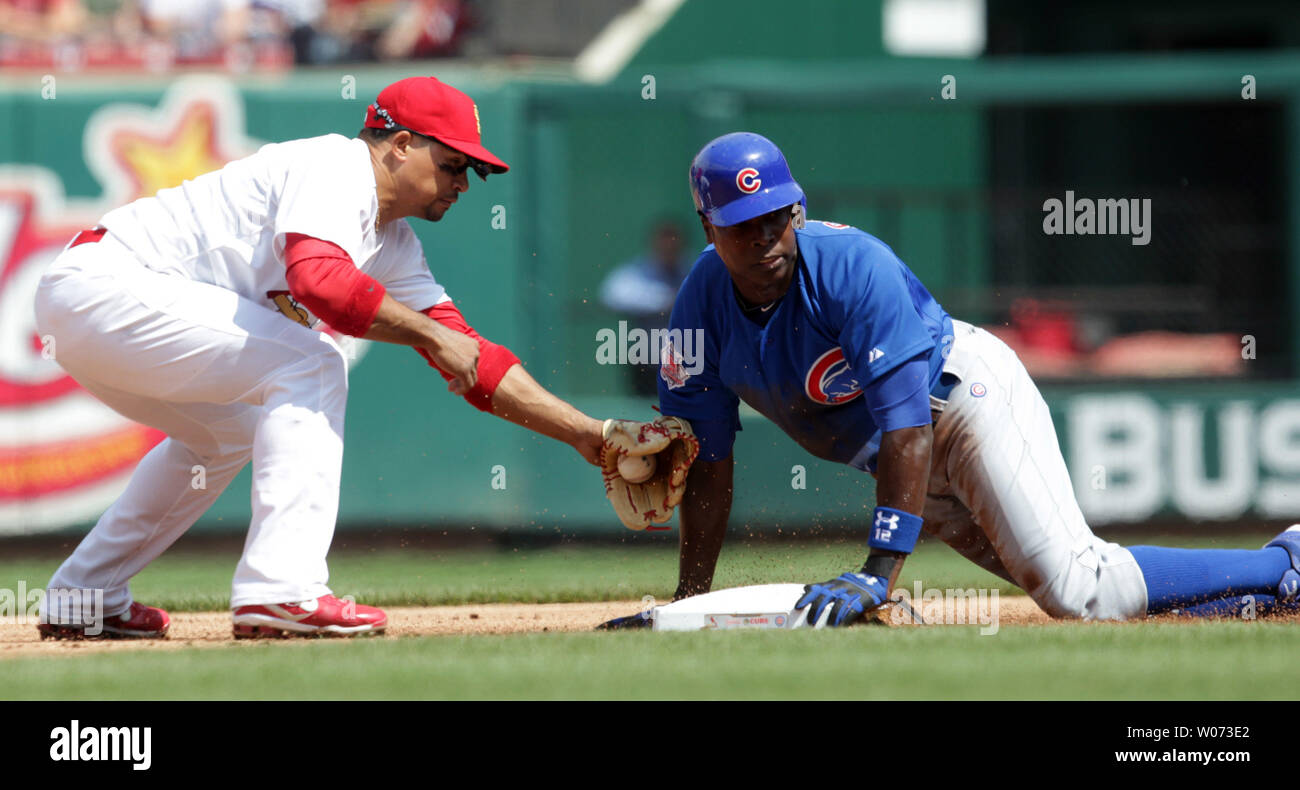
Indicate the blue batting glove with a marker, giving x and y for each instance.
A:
(850, 596)
(638, 620)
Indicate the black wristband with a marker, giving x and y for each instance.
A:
(881, 563)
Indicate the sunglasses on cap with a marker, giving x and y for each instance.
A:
(477, 165)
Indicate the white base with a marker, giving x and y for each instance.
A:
(766, 606)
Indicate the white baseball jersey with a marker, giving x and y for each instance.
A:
(227, 228)
(168, 320)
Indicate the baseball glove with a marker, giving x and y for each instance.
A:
(671, 440)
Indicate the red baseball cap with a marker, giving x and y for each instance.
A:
(435, 109)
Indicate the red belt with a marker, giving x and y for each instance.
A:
(88, 237)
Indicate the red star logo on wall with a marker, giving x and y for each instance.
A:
(63, 455)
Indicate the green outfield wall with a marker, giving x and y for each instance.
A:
(872, 141)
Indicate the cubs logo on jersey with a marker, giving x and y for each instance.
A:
(853, 314)
(830, 380)
(747, 181)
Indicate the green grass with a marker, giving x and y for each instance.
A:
(190, 581)
(187, 581)
(1205, 660)
(1202, 661)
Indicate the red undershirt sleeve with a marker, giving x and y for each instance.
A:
(324, 279)
(493, 360)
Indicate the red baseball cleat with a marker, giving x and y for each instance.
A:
(325, 616)
(138, 622)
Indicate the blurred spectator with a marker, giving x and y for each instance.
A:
(38, 25)
(157, 34)
(116, 20)
(643, 289)
(333, 31)
(197, 28)
(342, 31)
(110, 27)
(1057, 340)
(1046, 337)
(424, 29)
(41, 20)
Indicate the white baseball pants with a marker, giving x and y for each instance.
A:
(228, 381)
(1000, 492)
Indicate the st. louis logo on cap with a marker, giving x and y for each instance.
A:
(747, 181)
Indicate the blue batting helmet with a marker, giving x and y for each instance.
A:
(740, 176)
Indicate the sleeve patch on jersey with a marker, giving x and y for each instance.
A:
(291, 309)
(671, 367)
(834, 225)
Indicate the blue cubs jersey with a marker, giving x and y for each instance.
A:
(853, 313)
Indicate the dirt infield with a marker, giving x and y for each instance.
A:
(209, 629)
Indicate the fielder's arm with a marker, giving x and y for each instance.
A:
(902, 479)
(453, 352)
(506, 390)
(322, 276)
(704, 512)
(521, 400)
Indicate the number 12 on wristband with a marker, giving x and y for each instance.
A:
(894, 530)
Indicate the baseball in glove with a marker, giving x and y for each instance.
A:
(674, 447)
